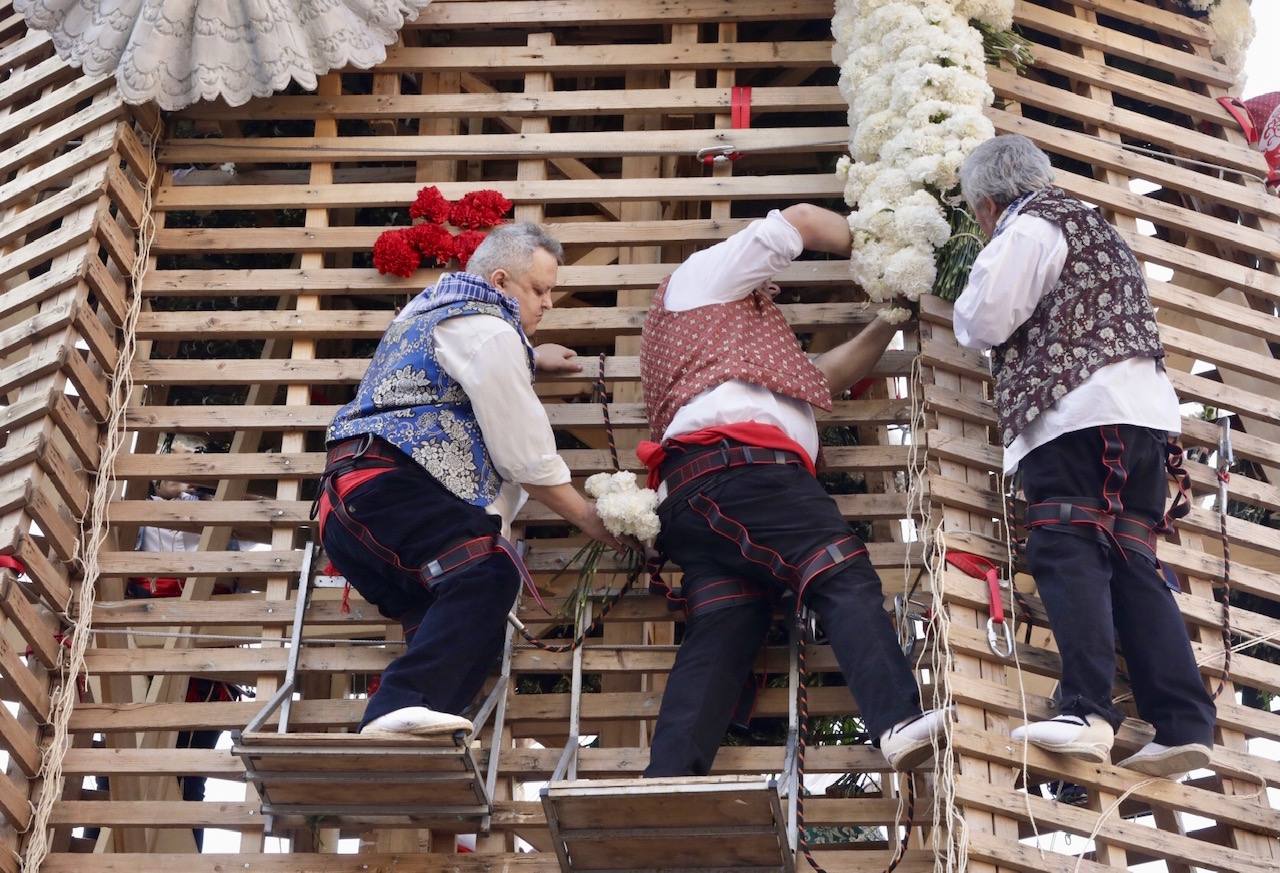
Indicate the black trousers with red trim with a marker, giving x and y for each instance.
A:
(1096, 594)
(789, 518)
(454, 627)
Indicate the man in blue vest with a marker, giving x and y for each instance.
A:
(431, 461)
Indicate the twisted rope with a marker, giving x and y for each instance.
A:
(93, 533)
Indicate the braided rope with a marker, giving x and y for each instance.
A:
(601, 392)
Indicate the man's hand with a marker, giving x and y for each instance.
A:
(552, 359)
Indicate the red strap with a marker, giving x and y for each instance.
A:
(981, 568)
(1242, 117)
(740, 103)
(9, 562)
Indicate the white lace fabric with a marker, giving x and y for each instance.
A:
(177, 52)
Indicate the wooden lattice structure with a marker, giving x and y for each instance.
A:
(260, 308)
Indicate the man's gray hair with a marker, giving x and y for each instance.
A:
(1004, 168)
(510, 247)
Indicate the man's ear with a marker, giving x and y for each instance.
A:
(497, 277)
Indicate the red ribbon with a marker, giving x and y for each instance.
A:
(981, 568)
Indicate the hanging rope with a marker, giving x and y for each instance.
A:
(600, 394)
(93, 533)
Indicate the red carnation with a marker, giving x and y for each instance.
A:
(431, 206)
(464, 245)
(394, 253)
(433, 242)
(479, 209)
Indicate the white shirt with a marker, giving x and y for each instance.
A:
(723, 273)
(1008, 279)
(490, 362)
(162, 539)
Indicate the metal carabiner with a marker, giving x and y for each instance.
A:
(717, 154)
(994, 641)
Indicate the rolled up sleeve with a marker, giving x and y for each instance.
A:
(491, 366)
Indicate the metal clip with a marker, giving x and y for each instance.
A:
(1003, 648)
(807, 624)
(716, 154)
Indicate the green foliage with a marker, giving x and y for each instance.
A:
(955, 259)
(1005, 47)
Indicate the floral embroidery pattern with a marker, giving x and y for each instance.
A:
(408, 399)
(1098, 314)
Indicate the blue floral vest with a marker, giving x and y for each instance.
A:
(409, 400)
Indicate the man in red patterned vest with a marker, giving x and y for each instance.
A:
(730, 397)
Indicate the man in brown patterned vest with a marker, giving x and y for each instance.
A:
(1085, 411)
(730, 397)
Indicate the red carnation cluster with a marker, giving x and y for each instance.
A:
(430, 205)
(401, 251)
(479, 209)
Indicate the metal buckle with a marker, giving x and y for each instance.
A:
(1002, 647)
(905, 625)
(719, 154)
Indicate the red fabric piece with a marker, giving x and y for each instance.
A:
(686, 353)
(751, 433)
(981, 568)
(9, 562)
(394, 254)
(344, 485)
(375, 682)
(430, 205)
(1259, 118)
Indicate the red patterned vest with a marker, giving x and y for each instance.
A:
(685, 353)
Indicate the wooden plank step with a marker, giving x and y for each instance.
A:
(695, 823)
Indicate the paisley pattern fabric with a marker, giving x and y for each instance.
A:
(177, 52)
(685, 353)
(1097, 314)
(409, 400)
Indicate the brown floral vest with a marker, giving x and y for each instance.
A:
(1096, 315)
(685, 353)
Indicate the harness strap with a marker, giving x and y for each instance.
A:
(1127, 532)
(797, 577)
(468, 552)
(726, 458)
(1181, 505)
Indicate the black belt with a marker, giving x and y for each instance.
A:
(725, 457)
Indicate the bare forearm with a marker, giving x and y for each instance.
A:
(852, 360)
(821, 229)
(564, 500)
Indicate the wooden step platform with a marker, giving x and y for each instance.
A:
(709, 823)
(433, 781)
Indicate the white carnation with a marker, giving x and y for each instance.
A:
(630, 513)
(910, 272)
(1233, 32)
(610, 483)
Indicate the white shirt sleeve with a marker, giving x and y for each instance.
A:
(489, 361)
(732, 269)
(1008, 279)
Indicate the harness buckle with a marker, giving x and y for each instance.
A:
(434, 568)
(1000, 641)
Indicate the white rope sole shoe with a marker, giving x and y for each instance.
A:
(1154, 759)
(1088, 739)
(909, 743)
(416, 721)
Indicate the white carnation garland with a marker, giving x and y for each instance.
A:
(625, 509)
(1233, 30)
(914, 75)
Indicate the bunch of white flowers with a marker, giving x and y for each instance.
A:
(1233, 32)
(914, 75)
(625, 509)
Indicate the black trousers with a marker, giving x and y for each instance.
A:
(1095, 593)
(454, 627)
(783, 510)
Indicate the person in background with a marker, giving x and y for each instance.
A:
(1085, 412)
